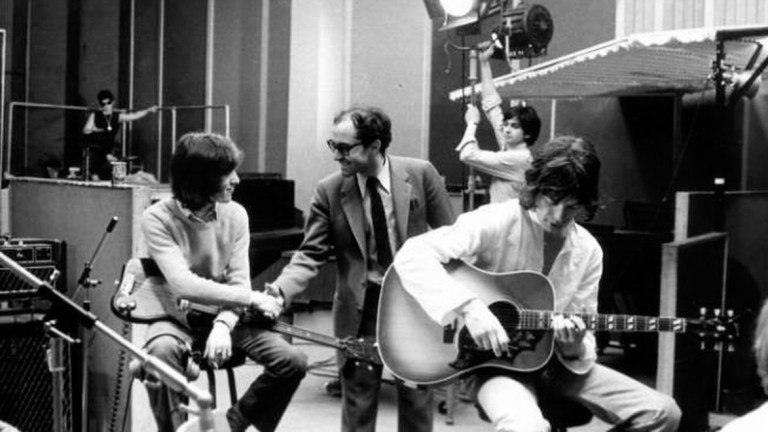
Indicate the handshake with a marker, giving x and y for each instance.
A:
(269, 302)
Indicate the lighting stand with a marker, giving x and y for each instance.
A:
(471, 184)
(167, 374)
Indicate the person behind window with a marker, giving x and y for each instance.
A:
(101, 130)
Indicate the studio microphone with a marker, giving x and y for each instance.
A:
(111, 224)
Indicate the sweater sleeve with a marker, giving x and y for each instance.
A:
(170, 258)
(504, 164)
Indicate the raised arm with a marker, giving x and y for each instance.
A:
(491, 98)
(129, 117)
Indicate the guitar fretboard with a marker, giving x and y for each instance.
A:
(542, 320)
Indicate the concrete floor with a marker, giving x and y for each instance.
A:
(313, 409)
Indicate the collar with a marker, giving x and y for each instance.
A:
(189, 215)
(384, 176)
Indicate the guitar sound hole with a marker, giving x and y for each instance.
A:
(507, 314)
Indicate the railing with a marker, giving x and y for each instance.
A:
(6, 156)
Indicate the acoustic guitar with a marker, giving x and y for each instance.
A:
(143, 296)
(420, 351)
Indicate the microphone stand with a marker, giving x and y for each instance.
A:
(166, 373)
(86, 283)
(471, 186)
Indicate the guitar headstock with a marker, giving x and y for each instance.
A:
(717, 329)
(361, 349)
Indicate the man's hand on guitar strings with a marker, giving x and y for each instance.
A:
(267, 304)
(485, 328)
(569, 334)
(218, 347)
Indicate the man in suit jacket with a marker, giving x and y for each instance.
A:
(346, 219)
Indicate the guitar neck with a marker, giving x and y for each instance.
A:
(542, 320)
(283, 328)
(287, 329)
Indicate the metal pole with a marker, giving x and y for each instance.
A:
(471, 186)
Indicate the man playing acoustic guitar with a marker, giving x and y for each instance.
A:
(199, 240)
(535, 232)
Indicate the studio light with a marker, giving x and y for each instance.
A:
(525, 32)
(463, 15)
(457, 8)
(522, 30)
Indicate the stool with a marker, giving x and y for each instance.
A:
(237, 359)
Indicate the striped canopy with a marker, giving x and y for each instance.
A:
(677, 61)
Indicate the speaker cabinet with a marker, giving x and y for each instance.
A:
(690, 365)
(35, 379)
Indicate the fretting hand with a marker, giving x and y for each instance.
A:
(569, 335)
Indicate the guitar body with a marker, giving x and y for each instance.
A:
(419, 351)
(143, 288)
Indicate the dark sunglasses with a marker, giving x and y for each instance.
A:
(341, 148)
(106, 102)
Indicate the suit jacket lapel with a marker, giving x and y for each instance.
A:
(352, 203)
(401, 197)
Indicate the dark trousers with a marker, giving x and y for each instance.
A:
(265, 401)
(360, 384)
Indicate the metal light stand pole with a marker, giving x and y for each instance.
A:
(167, 374)
(471, 186)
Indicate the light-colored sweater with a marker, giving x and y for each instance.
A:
(203, 262)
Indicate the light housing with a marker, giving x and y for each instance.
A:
(525, 32)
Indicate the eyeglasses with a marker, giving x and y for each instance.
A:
(106, 102)
(341, 148)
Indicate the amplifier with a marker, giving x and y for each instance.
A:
(36, 379)
(41, 257)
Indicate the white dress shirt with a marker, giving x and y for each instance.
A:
(502, 237)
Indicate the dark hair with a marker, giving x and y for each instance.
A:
(105, 94)
(565, 167)
(370, 123)
(529, 121)
(199, 162)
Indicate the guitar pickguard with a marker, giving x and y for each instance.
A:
(469, 354)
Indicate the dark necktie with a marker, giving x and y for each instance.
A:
(380, 231)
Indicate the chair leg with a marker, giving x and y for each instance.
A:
(212, 386)
(450, 403)
(232, 387)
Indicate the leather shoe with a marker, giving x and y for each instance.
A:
(237, 423)
(333, 387)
